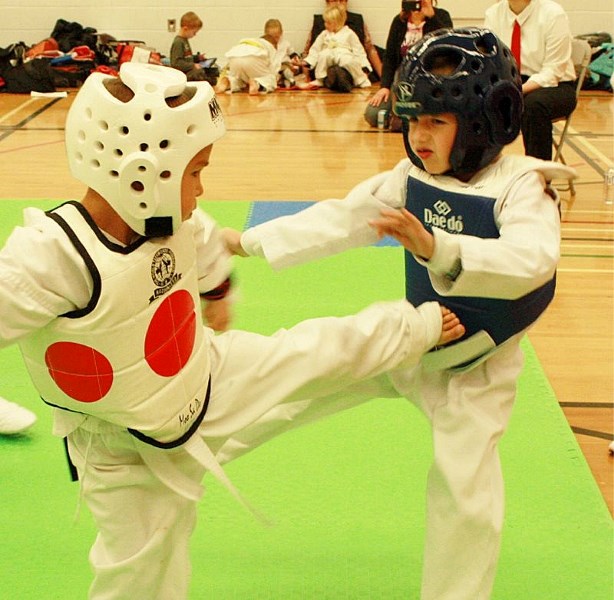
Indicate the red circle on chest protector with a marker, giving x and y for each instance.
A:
(79, 371)
(170, 335)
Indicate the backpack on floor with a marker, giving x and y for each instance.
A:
(33, 76)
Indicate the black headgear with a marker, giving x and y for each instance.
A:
(484, 91)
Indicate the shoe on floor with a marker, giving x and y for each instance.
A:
(14, 418)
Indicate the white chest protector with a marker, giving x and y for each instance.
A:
(137, 355)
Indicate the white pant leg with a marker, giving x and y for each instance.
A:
(144, 528)
(352, 65)
(325, 60)
(292, 415)
(243, 68)
(317, 359)
(465, 497)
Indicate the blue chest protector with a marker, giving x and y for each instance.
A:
(469, 215)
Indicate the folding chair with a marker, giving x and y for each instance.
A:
(581, 54)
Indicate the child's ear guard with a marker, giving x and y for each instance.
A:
(503, 106)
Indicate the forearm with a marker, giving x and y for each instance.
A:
(522, 259)
(327, 227)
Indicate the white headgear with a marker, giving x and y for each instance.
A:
(134, 153)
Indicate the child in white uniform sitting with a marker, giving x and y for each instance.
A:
(337, 47)
(481, 232)
(103, 297)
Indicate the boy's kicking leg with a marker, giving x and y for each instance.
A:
(314, 369)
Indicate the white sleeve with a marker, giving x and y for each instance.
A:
(557, 52)
(41, 276)
(214, 263)
(330, 226)
(522, 259)
(316, 48)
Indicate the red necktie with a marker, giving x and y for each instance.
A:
(516, 43)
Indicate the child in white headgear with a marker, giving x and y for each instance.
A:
(103, 296)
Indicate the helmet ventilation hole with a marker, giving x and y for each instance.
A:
(144, 147)
(165, 175)
(137, 186)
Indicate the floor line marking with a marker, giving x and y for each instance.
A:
(17, 109)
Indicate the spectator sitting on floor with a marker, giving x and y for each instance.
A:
(181, 55)
(337, 58)
(357, 24)
(253, 64)
(407, 27)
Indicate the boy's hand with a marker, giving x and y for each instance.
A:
(217, 314)
(404, 227)
(232, 239)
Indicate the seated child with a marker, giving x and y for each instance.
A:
(337, 58)
(182, 57)
(253, 64)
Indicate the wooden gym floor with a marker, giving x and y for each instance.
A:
(294, 145)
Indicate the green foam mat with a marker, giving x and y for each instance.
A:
(345, 495)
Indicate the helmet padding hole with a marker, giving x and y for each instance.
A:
(442, 61)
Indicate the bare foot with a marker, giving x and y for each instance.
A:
(451, 327)
(222, 85)
(254, 88)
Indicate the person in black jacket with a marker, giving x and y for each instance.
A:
(357, 24)
(406, 29)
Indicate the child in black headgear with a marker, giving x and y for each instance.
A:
(481, 230)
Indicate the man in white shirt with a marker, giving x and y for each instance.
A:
(546, 67)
